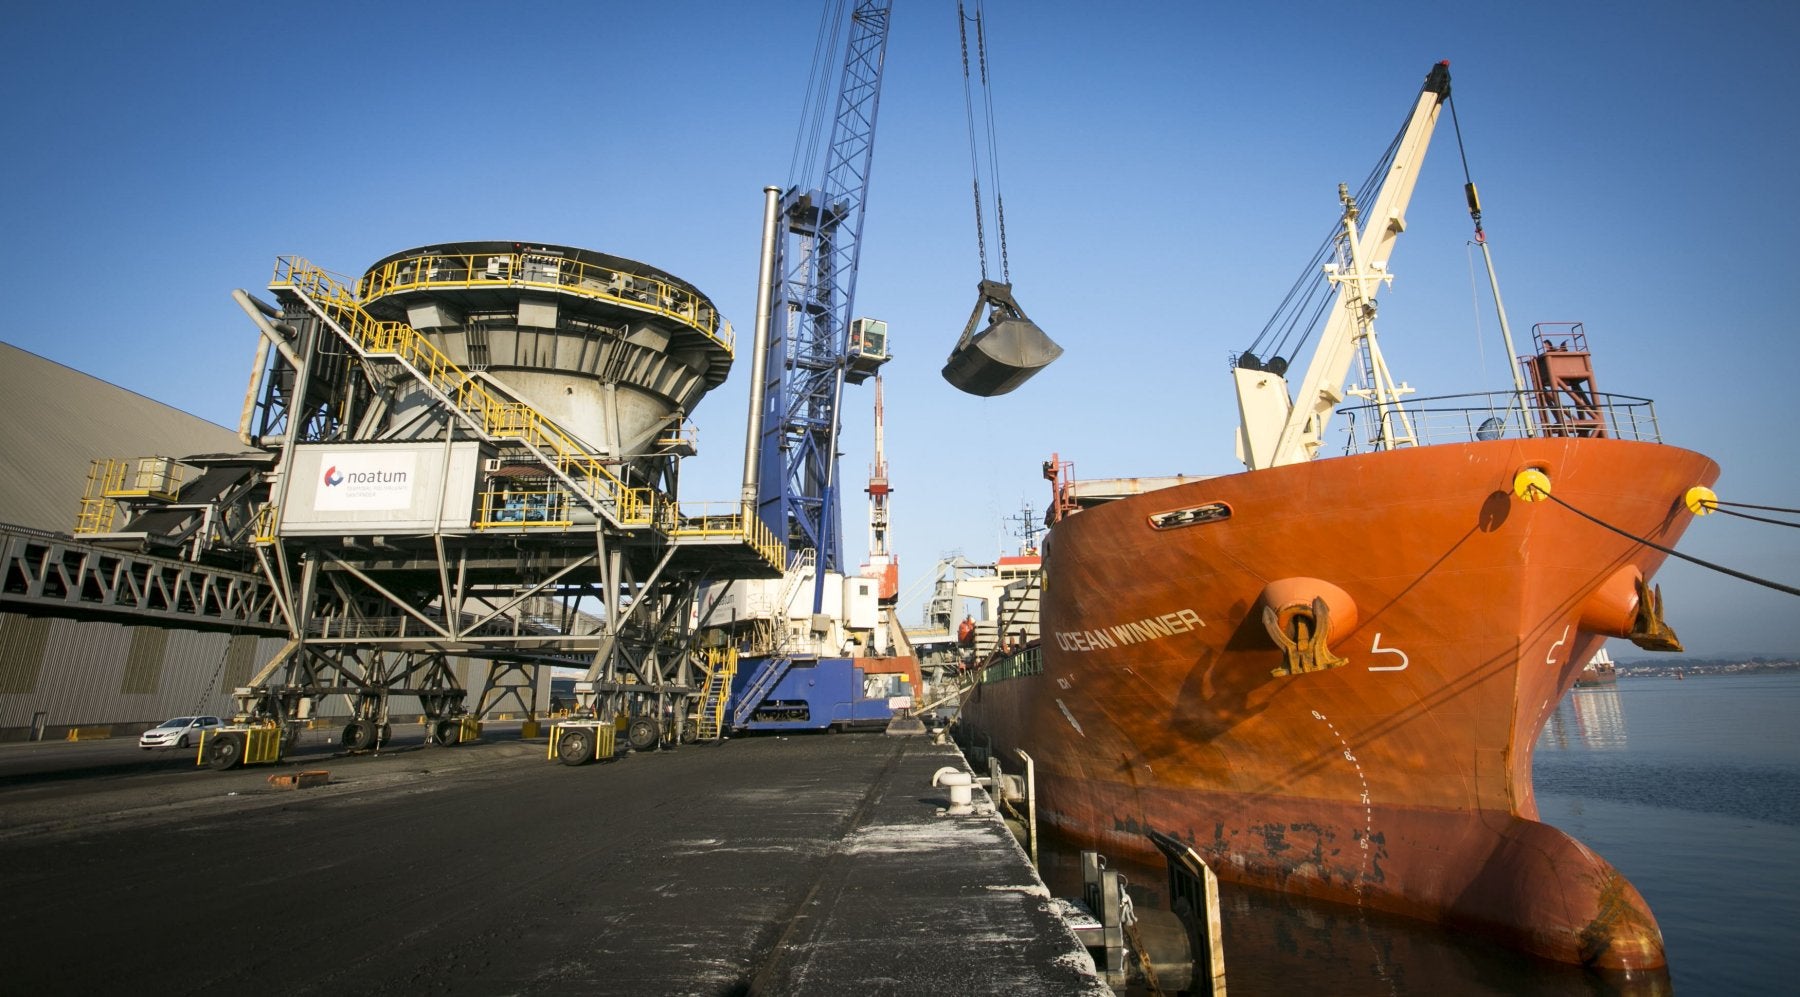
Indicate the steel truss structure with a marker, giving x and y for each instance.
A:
(810, 353)
(542, 545)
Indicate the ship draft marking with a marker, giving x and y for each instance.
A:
(1070, 717)
(1368, 830)
(1376, 648)
(1550, 658)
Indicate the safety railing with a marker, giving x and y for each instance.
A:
(527, 269)
(764, 681)
(96, 515)
(499, 417)
(1493, 416)
(1029, 661)
(719, 519)
(143, 477)
(156, 478)
(683, 438)
(267, 522)
(514, 509)
(721, 667)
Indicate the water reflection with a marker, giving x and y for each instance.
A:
(1590, 718)
(1276, 943)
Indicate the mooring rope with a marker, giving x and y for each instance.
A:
(1716, 503)
(1672, 552)
(1728, 508)
(1760, 519)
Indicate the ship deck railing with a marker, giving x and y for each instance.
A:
(1026, 661)
(1493, 416)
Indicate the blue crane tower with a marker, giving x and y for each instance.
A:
(814, 348)
(788, 680)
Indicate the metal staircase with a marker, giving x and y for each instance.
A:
(771, 672)
(476, 399)
(1017, 624)
(776, 663)
(721, 668)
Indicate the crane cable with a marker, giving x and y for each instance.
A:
(1302, 311)
(991, 136)
(815, 105)
(1672, 552)
(1468, 179)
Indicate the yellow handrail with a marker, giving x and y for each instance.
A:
(514, 509)
(438, 270)
(266, 521)
(698, 521)
(498, 416)
(132, 478)
(721, 667)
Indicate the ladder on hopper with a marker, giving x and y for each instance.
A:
(779, 660)
(476, 399)
(771, 672)
(721, 667)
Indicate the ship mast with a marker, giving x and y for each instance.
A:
(1274, 430)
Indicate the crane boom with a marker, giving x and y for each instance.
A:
(810, 355)
(1274, 431)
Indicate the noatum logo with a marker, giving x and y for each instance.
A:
(365, 477)
(365, 481)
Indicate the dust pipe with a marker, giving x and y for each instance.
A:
(765, 292)
(266, 317)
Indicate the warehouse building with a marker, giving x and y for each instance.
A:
(64, 666)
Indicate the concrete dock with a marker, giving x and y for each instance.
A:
(798, 865)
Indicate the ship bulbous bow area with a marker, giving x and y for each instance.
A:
(1546, 893)
(1511, 879)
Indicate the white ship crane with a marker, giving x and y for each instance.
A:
(1275, 429)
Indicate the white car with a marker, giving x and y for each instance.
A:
(179, 732)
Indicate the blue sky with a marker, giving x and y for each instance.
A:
(1167, 168)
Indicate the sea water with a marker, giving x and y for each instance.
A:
(1690, 788)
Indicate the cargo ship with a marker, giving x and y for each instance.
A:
(1327, 672)
(1598, 671)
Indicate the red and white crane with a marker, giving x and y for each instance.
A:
(882, 563)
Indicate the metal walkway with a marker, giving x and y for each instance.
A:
(52, 575)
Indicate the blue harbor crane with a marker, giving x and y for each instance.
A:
(803, 664)
(811, 663)
(814, 348)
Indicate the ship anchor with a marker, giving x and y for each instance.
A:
(1306, 649)
(1649, 631)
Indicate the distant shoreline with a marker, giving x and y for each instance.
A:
(1642, 668)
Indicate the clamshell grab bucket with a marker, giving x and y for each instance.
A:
(1003, 355)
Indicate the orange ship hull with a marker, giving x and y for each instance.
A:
(1394, 770)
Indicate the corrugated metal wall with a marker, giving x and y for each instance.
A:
(91, 673)
(87, 673)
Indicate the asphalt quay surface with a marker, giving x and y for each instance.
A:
(796, 865)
